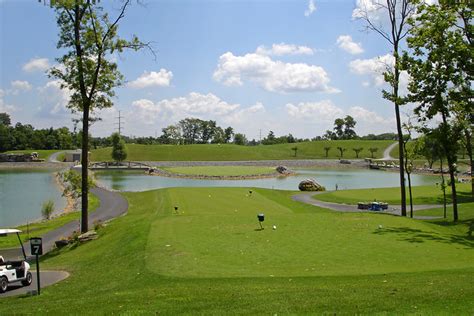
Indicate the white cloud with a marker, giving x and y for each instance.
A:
(346, 43)
(203, 106)
(374, 67)
(311, 8)
(54, 99)
(36, 64)
(284, 49)
(274, 76)
(19, 86)
(321, 111)
(322, 114)
(152, 79)
(8, 108)
(195, 104)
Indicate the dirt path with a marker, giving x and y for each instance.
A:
(307, 198)
(386, 152)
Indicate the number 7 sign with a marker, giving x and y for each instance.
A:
(36, 244)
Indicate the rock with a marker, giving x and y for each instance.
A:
(345, 162)
(90, 235)
(310, 185)
(283, 170)
(61, 243)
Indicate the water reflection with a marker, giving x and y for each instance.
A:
(344, 179)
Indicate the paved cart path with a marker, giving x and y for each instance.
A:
(111, 205)
(386, 153)
(307, 198)
(47, 278)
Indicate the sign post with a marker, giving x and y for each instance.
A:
(36, 244)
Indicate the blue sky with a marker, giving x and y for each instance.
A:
(289, 66)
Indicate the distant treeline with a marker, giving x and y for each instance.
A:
(187, 131)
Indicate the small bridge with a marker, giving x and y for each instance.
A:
(121, 165)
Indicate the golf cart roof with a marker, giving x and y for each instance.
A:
(6, 231)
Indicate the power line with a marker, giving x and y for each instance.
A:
(119, 128)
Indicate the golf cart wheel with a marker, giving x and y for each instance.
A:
(27, 281)
(3, 284)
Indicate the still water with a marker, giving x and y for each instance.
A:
(345, 179)
(22, 193)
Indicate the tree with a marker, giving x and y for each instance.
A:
(47, 209)
(89, 38)
(270, 139)
(373, 150)
(398, 12)
(5, 119)
(295, 149)
(341, 151)
(240, 139)
(326, 149)
(119, 152)
(357, 151)
(339, 128)
(349, 124)
(439, 77)
(228, 133)
(171, 135)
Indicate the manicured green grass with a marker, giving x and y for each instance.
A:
(209, 259)
(222, 170)
(38, 229)
(421, 195)
(43, 153)
(230, 152)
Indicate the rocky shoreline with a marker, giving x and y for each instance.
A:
(164, 173)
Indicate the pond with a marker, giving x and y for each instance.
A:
(345, 179)
(23, 192)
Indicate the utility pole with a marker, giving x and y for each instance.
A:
(119, 128)
(260, 135)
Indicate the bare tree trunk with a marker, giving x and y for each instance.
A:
(401, 158)
(469, 153)
(443, 186)
(450, 156)
(85, 171)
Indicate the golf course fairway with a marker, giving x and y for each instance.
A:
(210, 257)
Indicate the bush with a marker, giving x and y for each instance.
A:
(47, 209)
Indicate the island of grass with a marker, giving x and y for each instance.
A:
(210, 257)
(218, 172)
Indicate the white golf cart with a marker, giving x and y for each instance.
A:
(14, 271)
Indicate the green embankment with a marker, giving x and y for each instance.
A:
(43, 153)
(421, 195)
(230, 152)
(38, 229)
(212, 259)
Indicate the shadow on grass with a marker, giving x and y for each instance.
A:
(419, 236)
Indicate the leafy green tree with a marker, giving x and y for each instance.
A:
(240, 139)
(119, 151)
(373, 150)
(5, 119)
(398, 13)
(341, 151)
(349, 124)
(357, 151)
(295, 149)
(171, 135)
(439, 78)
(88, 37)
(339, 128)
(326, 149)
(228, 133)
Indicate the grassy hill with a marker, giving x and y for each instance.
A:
(211, 259)
(229, 152)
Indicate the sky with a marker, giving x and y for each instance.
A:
(289, 66)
